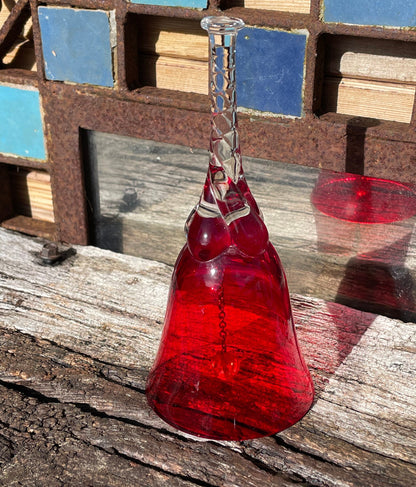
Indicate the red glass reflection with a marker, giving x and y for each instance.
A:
(228, 366)
(362, 199)
(371, 221)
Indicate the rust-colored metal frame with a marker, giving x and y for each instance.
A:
(319, 140)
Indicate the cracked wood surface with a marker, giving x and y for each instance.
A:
(76, 343)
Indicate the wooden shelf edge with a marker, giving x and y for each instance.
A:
(19, 77)
(25, 163)
(31, 226)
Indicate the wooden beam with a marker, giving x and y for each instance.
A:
(76, 344)
(32, 194)
(174, 73)
(375, 59)
(373, 78)
(369, 98)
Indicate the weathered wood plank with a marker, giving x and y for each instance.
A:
(58, 374)
(79, 337)
(43, 444)
(173, 37)
(173, 54)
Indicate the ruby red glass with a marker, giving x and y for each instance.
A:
(363, 199)
(228, 366)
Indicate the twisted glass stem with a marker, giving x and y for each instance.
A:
(227, 214)
(224, 143)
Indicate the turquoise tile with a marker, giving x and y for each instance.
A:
(395, 13)
(270, 70)
(21, 125)
(174, 3)
(76, 45)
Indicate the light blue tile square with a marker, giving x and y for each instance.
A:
(270, 70)
(21, 125)
(201, 4)
(395, 13)
(76, 45)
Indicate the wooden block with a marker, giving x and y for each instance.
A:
(32, 195)
(173, 54)
(31, 226)
(298, 6)
(371, 58)
(177, 74)
(175, 38)
(370, 77)
(374, 99)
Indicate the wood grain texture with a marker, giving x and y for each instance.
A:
(298, 6)
(174, 73)
(372, 78)
(167, 36)
(373, 99)
(76, 344)
(30, 226)
(380, 59)
(32, 194)
(173, 54)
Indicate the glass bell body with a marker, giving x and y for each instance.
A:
(228, 366)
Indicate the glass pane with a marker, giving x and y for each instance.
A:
(341, 237)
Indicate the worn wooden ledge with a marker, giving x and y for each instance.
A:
(76, 343)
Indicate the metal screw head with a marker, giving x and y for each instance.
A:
(53, 253)
(50, 253)
(129, 200)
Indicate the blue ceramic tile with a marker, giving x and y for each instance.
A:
(397, 13)
(76, 45)
(269, 70)
(174, 3)
(21, 131)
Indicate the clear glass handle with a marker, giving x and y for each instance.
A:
(227, 214)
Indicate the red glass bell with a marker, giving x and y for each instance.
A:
(229, 365)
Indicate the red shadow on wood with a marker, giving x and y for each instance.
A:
(371, 221)
(327, 333)
(368, 222)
